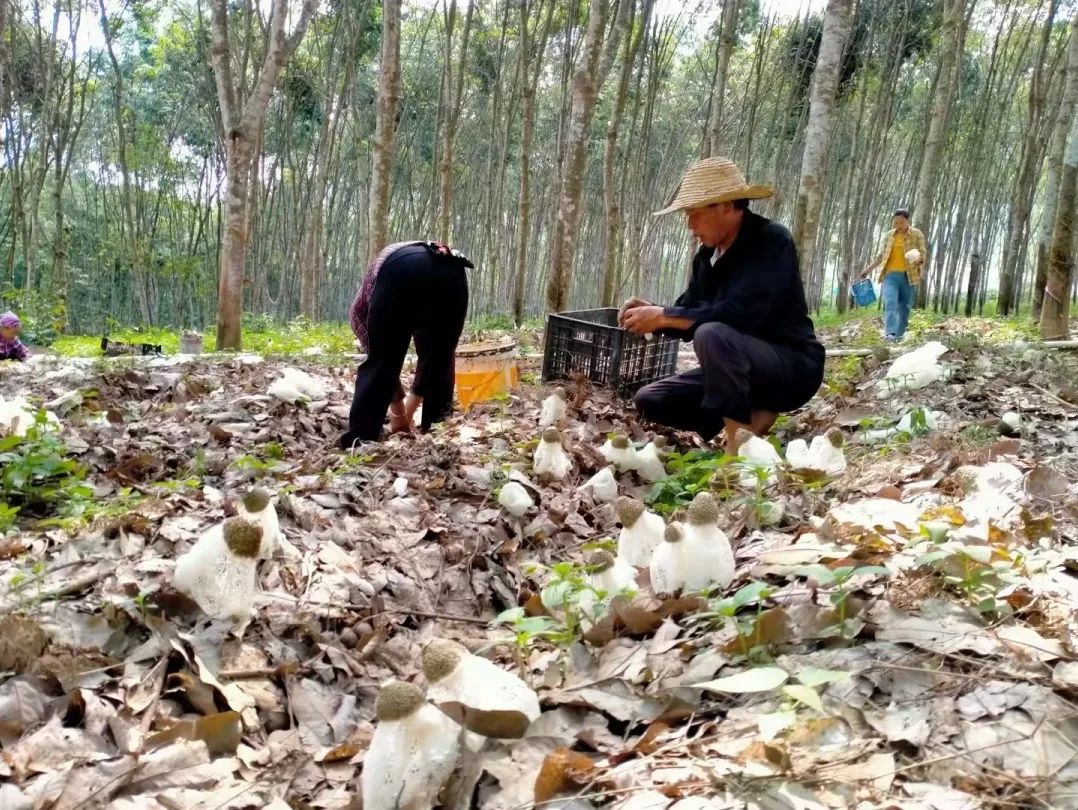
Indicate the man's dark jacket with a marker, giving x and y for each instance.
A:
(755, 287)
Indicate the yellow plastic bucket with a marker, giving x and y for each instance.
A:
(485, 371)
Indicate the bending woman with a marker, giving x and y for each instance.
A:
(411, 290)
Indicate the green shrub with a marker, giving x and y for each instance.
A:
(37, 474)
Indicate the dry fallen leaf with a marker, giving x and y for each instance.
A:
(758, 679)
(21, 642)
(221, 732)
(562, 770)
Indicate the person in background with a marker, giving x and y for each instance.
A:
(744, 311)
(901, 261)
(411, 290)
(11, 348)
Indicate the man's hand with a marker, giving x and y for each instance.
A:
(644, 319)
(632, 303)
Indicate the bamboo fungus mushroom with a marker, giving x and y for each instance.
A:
(412, 754)
(551, 460)
(641, 533)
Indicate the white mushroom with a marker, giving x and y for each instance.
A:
(219, 570)
(611, 575)
(757, 455)
(667, 567)
(257, 507)
(550, 459)
(707, 557)
(457, 676)
(602, 486)
(650, 465)
(641, 533)
(619, 451)
(412, 754)
(824, 456)
(514, 499)
(295, 385)
(553, 410)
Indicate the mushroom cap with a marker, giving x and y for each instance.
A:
(242, 538)
(704, 510)
(629, 511)
(741, 437)
(256, 499)
(600, 561)
(397, 700)
(836, 437)
(620, 442)
(551, 436)
(672, 533)
(440, 657)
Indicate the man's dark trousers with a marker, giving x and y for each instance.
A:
(738, 374)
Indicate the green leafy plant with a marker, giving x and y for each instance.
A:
(528, 630)
(762, 511)
(689, 473)
(8, 514)
(37, 474)
(975, 572)
(573, 605)
(82, 511)
(748, 626)
(24, 578)
(838, 580)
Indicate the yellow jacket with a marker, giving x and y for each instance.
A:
(914, 240)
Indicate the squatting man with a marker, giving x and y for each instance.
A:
(744, 311)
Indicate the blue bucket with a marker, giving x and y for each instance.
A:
(863, 293)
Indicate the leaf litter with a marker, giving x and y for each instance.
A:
(902, 636)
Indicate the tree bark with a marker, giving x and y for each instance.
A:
(389, 89)
(611, 241)
(529, 82)
(836, 29)
(951, 43)
(1064, 115)
(1028, 172)
(1055, 311)
(585, 90)
(731, 11)
(452, 97)
(241, 120)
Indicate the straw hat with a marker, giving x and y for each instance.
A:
(713, 180)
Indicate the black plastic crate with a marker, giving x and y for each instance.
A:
(591, 343)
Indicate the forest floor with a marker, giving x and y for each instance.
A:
(886, 668)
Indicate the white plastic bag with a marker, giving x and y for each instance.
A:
(914, 370)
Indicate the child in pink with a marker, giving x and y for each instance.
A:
(11, 347)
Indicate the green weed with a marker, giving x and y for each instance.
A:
(37, 474)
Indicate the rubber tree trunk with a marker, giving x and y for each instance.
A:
(1056, 308)
(1028, 172)
(611, 233)
(585, 90)
(924, 198)
(389, 90)
(731, 11)
(453, 96)
(1064, 116)
(836, 29)
(532, 65)
(242, 120)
